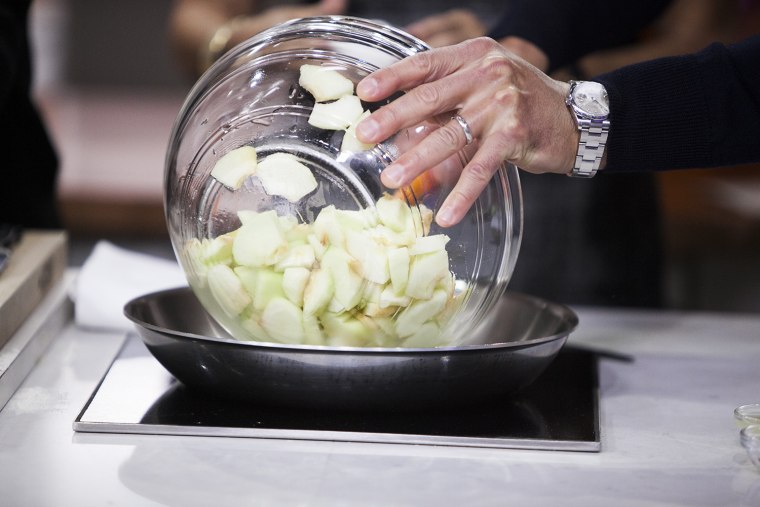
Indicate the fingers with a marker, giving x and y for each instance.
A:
(424, 101)
(410, 72)
(473, 180)
(431, 151)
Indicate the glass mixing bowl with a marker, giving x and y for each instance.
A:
(252, 97)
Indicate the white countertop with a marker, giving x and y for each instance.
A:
(668, 437)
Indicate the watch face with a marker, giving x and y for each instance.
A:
(591, 98)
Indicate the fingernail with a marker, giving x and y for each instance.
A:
(393, 175)
(445, 216)
(367, 87)
(367, 130)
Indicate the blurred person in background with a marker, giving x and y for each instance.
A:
(29, 165)
(573, 249)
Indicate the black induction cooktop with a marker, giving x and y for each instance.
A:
(559, 411)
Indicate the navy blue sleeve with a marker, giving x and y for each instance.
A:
(698, 110)
(562, 28)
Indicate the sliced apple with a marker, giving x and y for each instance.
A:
(298, 255)
(344, 270)
(283, 321)
(344, 330)
(351, 143)
(338, 115)
(427, 335)
(252, 326)
(393, 213)
(259, 242)
(324, 83)
(372, 257)
(312, 329)
(268, 286)
(294, 282)
(428, 244)
(398, 268)
(425, 272)
(227, 290)
(282, 174)
(419, 312)
(318, 292)
(235, 166)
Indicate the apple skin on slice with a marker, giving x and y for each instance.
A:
(235, 166)
(324, 83)
(227, 290)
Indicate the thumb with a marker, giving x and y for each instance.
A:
(328, 7)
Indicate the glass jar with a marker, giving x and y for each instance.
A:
(252, 97)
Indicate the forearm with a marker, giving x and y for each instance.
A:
(698, 110)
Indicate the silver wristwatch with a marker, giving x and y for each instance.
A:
(590, 106)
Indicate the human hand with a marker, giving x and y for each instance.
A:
(450, 27)
(516, 113)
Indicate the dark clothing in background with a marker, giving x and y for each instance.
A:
(28, 162)
(708, 105)
(587, 242)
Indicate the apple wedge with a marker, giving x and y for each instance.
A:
(351, 143)
(235, 166)
(283, 321)
(324, 83)
(283, 175)
(259, 242)
(227, 290)
(338, 115)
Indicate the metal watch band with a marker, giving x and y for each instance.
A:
(591, 147)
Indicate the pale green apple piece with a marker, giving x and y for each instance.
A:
(425, 271)
(428, 244)
(318, 292)
(235, 166)
(324, 83)
(398, 268)
(327, 227)
(419, 312)
(422, 218)
(298, 255)
(344, 270)
(283, 321)
(394, 213)
(268, 287)
(372, 257)
(252, 326)
(317, 245)
(294, 282)
(248, 277)
(389, 298)
(283, 175)
(338, 115)
(344, 330)
(357, 219)
(259, 242)
(227, 290)
(427, 335)
(352, 144)
(313, 334)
